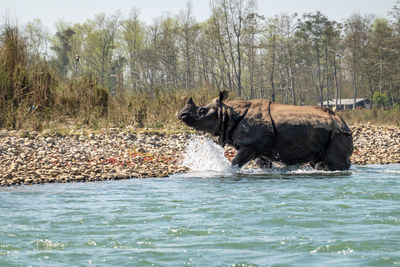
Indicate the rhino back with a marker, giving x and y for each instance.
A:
(309, 116)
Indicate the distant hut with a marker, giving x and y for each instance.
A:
(347, 103)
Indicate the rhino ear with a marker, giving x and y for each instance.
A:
(190, 101)
(223, 95)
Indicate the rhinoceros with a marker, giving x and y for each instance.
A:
(272, 132)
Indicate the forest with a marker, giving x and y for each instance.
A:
(116, 70)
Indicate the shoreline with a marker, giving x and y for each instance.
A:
(28, 157)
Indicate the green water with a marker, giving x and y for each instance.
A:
(281, 218)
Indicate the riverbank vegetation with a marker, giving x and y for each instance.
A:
(114, 71)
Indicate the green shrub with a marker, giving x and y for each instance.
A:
(381, 99)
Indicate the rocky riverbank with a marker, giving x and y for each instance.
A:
(375, 144)
(30, 158)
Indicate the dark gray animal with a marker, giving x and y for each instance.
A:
(267, 131)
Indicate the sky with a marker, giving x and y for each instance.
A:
(78, 11)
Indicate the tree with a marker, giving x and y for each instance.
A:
(381, 42)
(252, 43)
(150, 57)
(133, 34)
(356, 33)
(100, 44)
(62, 47)
(270, 36)
(217, 31)
(169, 51)
(232, 19)
(188, 33)
(395, 50)
(331, 40)
(312, 32)
(37, 38)
(212, 61)
(336, 55)
(288, 43)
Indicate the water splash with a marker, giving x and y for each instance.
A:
(205, 156)
(202, 154)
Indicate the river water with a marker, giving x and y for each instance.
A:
(212, 216)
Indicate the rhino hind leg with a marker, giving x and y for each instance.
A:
(339, 152)
(263, 163)
(320, 165)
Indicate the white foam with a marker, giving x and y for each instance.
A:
(295, 170)
(205, 158)
(202, 154)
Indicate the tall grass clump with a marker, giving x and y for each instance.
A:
(82, 99)
(31, 94)
(25, 89)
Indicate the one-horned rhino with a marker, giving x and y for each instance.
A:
(268, 131)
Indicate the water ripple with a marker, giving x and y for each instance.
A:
(236, 219)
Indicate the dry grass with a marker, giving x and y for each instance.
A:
(152, 111)
(373, 116)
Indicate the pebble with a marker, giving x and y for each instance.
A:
(375, 144)
(31, 158)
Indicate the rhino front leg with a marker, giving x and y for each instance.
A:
(244, 155)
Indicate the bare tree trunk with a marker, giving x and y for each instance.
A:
(316, 85)
(336, 82)
(221, 46)
(327, 78)
(291, 77)
(320, 85)
(281, 84)
(252, 67)
(239, 71)
(380, 70)
(340, 83)
(272, 74)
(354, 79)
(292, 88)
(262, 90)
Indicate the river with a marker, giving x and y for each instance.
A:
(287, 217)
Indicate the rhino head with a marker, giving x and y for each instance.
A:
(204, 118)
